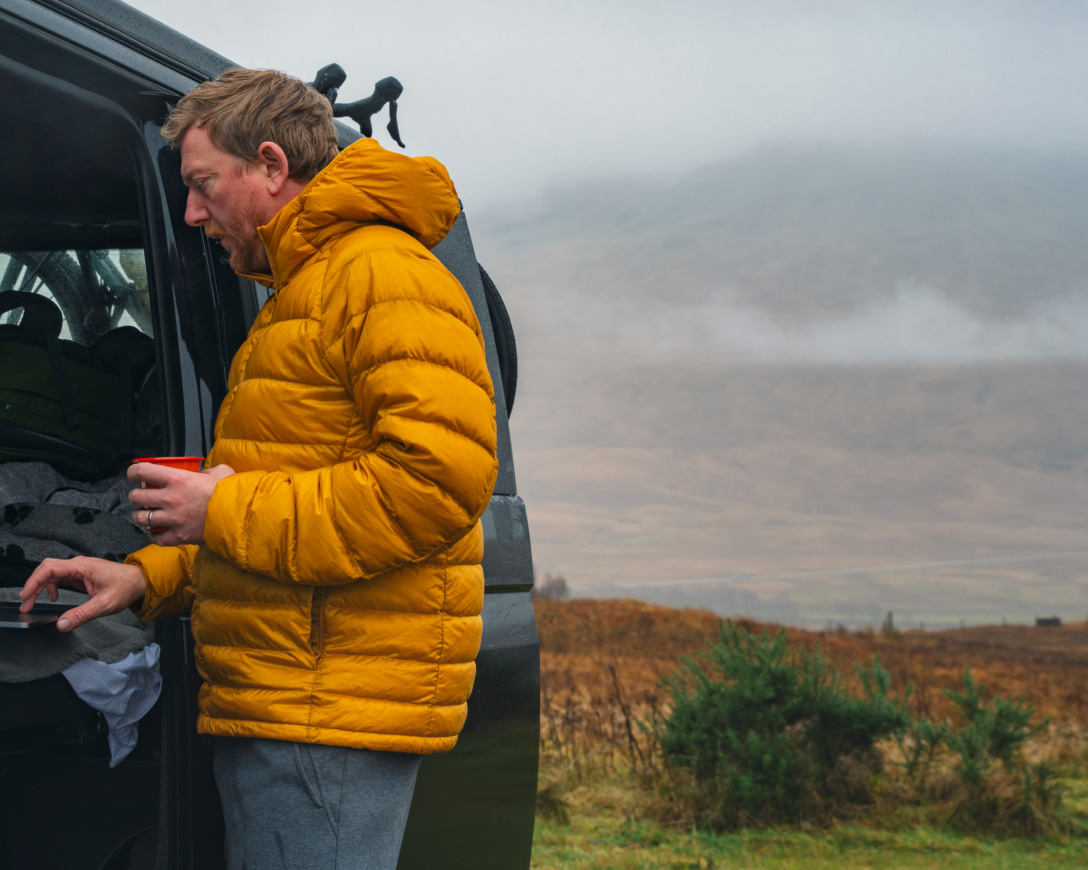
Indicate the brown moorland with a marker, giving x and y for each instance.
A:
(599, 656)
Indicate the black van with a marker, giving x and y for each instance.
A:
(131, 318)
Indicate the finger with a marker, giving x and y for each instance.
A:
(39, 579)
(144, 498)
(77, 616)
(166, 538)
(219, 471)
(150, 474)
(142, 517)
(29, 594)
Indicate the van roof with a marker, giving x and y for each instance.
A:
(120, 22)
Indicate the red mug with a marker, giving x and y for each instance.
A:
(181, 463)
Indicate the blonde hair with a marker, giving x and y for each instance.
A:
(245, 107)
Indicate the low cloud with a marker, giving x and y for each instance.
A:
(915, 324)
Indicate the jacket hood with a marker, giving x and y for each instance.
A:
(365, 183)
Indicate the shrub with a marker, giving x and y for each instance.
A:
(769, 735)
(919, 747)
(1000, 792)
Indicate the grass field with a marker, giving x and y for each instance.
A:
(601, 663)
(606, 832)
(609, 844)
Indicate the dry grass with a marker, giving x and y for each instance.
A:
(602, 662)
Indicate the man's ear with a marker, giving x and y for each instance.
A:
(273, 164)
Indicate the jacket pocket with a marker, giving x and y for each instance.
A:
(308, 779)
(320, 772)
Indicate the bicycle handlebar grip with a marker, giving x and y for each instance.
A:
(328, 81)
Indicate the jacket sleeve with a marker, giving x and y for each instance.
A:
(168, 573)
(413, 360)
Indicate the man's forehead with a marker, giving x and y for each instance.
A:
(199, 152)
(195, 146)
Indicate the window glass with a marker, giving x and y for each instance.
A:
(96, 290)
(79, 385)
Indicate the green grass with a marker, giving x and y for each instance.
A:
(615, 844)
(611, 827)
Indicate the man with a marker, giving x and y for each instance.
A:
(330, 552)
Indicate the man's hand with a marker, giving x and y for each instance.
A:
(178, 501)
(112, 587)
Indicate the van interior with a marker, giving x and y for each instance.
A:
(79, 398)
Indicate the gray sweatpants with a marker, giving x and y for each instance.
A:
(297, 806)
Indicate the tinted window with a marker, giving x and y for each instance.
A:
(78, 384)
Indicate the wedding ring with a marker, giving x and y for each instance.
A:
(148, 526)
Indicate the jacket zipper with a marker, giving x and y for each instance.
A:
(271, 266)
(317, 620)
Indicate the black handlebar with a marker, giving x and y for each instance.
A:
(330, 78)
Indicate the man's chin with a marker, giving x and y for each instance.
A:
(232, 257)
(240, 263)
(223, 246)
(238, 256)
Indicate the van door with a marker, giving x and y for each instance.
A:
(114, 331)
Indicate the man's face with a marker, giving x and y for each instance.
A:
(227, 198)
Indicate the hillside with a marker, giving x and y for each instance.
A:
(760, 388)
(578, 639)
(670, 474)
(808, 231)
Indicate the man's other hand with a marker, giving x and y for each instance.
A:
(112, 587)
(177, 501)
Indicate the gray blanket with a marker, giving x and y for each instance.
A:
(38, 531)
(33, 532)
(40, 483)
(35, 653)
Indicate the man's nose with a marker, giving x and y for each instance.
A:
(195, 212)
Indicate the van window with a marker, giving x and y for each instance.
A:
(96, 290)
(78, 381)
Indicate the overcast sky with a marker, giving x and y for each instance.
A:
(514, 97)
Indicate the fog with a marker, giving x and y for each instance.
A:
(518, 97)
(914, 325)
(800, 289)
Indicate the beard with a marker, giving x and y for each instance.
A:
(244, 255)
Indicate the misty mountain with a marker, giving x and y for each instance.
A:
(811, 232)
(813, 493)
(834, 381)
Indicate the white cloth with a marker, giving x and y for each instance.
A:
(123, 692)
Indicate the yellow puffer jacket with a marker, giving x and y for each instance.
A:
(337, 596)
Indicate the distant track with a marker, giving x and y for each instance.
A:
(827, 572)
